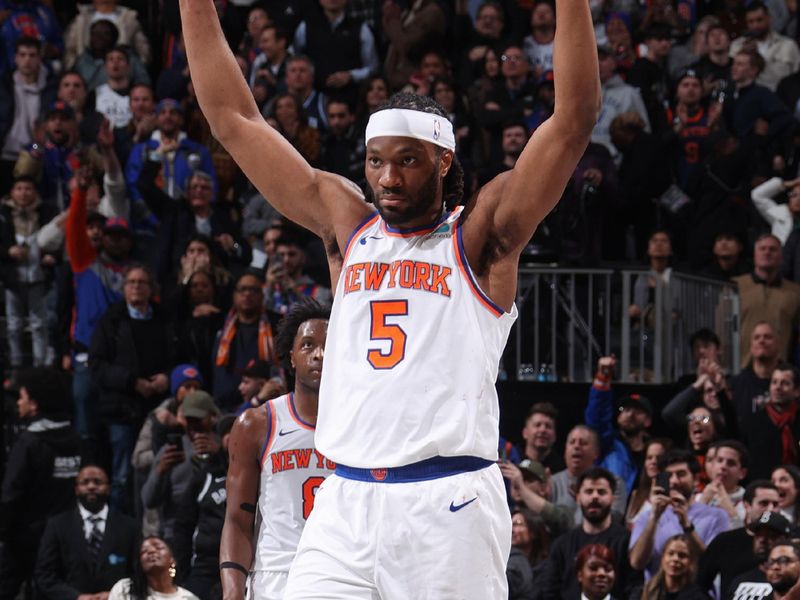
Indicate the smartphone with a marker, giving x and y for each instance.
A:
(662, 481)
(175, 439)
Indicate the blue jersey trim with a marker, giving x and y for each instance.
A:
(420, 229)
(296, 414)
(468, 271)
(431, 468)
(358, 228)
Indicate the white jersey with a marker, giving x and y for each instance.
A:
(412, 352)
(291, 472)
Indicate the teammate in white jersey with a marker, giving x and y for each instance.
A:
(416, 508)
(275, 470)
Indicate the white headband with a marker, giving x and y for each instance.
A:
(412, 123)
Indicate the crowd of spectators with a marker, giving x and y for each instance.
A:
(144, 276)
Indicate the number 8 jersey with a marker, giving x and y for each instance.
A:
(291, 471)
(412, 352)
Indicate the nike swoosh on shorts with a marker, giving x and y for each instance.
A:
(457, 507)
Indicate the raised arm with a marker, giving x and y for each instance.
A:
(321, 202)
(510, 207)
(236, 549)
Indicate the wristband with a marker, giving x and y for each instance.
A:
(689, 528)
(234, 565)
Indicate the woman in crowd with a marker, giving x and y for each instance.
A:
(594, 566)
(787, 479)
(153, 576)
(293, 125)
(674, 579)
(639, 500)
(702, 428)
(374, 92)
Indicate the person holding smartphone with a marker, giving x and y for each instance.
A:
(673, 511)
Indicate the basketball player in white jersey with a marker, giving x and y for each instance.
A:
(423, 305)
(274, 470)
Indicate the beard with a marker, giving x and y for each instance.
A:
(416, 208)
(94, 503)
(784, 584)
(597, 516)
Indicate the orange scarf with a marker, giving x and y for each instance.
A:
(229, 333)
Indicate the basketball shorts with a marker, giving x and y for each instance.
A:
(443, 538)
(266, 585)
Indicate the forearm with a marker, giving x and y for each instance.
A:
(643, 548)
(221, 89)
(575, 67)
(236, 548)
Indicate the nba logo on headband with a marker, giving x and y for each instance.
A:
(437, 129)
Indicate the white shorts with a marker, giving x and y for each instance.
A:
(441, 539)
(266, 585)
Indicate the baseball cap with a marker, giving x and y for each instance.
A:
(181, 374)
(258, 369)
(59, 106)
(117, 224)
(199, 404)
(169, 103)
(771, 520)
(637, 401)
(532, 469)
(688, 73)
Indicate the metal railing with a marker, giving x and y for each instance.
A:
(564, 322)
(568, 318)
(655, 346)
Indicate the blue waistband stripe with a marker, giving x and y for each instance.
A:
(431, 468)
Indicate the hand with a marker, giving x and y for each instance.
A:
(276, 275)
(143, 387)
(593, 176)
(18, 252)
(700, 382)
(714, 113)
(159, 383)
(790, 183)
(145, 127)
(167, 145)
(339, 79)
(680, 507)
(48, 260)
(272, 388)
(391, 10)
(172, 456)
(205, 443)
(634, 312)
(512, 472)
(606, 364)
(491, 106)
(659, 500)
(83, 177)
(477, 53)
(166, 418)
(105, 135)
(204, 310)
(66, 362)
(778, 163)
(226, 241)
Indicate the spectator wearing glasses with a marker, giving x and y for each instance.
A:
(783, 569)
(130, 359)
(246, 335)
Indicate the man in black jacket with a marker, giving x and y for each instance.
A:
(130, 360)
(595, 496)
(38, 480)
(772, 433)
(88, 548)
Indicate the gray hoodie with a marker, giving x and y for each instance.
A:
(618, 98)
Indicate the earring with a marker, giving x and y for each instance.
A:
(172, 570)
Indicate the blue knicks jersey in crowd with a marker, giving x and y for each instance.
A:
(412, 353)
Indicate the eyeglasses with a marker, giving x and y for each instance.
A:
(94, 480)
(248, 289)
(781, 561)
(514, 58)
(704, 419)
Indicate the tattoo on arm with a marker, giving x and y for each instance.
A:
(246, 506)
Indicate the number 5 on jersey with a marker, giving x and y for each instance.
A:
(380, 311)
